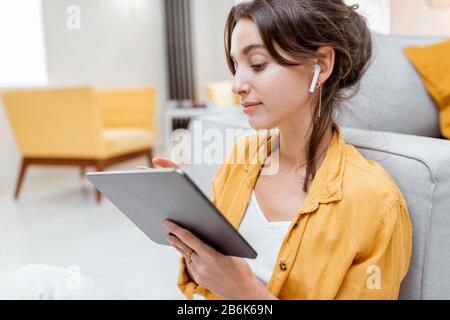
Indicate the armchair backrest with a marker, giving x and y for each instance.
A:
(133, 108)
(55, 122)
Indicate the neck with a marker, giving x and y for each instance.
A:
(294, 146)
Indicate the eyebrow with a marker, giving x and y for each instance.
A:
(249, 48)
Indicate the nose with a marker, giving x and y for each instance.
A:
(240, 87)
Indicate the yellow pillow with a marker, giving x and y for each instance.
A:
(433, 64)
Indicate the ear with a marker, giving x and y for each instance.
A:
(326, 62)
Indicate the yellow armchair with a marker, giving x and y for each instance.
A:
(81, 126)
(128, 108)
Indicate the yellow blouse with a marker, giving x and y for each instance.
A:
(351, 239)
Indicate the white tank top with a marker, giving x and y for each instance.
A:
(265, 237)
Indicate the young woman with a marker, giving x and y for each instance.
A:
(329, 224)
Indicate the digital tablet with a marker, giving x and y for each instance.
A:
(148, 197)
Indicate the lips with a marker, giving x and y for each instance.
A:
(250, 107)
(250, 104)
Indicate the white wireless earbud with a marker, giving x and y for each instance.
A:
(315, 78)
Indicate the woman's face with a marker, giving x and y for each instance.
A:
(282, 92)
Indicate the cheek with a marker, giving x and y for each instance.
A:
(284, 89)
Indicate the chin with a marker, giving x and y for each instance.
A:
(260, 124)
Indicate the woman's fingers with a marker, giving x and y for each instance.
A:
(160, 162)
(189, 266)
(141, 168)
(181, 252)
(177, 243)
(188, 238)
(164, 163)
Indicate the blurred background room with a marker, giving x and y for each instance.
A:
(89, 85)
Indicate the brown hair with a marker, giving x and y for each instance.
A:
(300, 27)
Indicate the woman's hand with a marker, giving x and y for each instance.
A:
(228, 277)
(161, 163)
(164, 163)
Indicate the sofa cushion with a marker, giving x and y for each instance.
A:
(433, 64)
(392, 96)
(126, 140)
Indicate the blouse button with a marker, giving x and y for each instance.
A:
(283, 266)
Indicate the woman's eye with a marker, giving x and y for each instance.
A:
(258, 67)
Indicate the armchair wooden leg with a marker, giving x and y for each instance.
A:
(98, 194)
(82, 171)
(150, 158)
(22, 172)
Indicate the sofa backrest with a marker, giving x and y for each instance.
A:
(392, 96)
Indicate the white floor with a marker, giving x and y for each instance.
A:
(58, 222)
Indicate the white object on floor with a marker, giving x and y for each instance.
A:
(57, 222)
(41, 282)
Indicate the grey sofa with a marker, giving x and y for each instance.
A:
(393, 121)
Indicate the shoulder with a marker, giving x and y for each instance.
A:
(369, 186)
(369, 173)
(372, 203)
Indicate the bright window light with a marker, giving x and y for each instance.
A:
(377, 12)
(22, 46)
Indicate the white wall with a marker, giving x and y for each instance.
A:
(415, 17)
(120, 44)
(209, 17)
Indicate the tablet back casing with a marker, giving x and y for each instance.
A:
(148, 197)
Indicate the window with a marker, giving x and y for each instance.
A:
(22, 47)
(377, 12)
